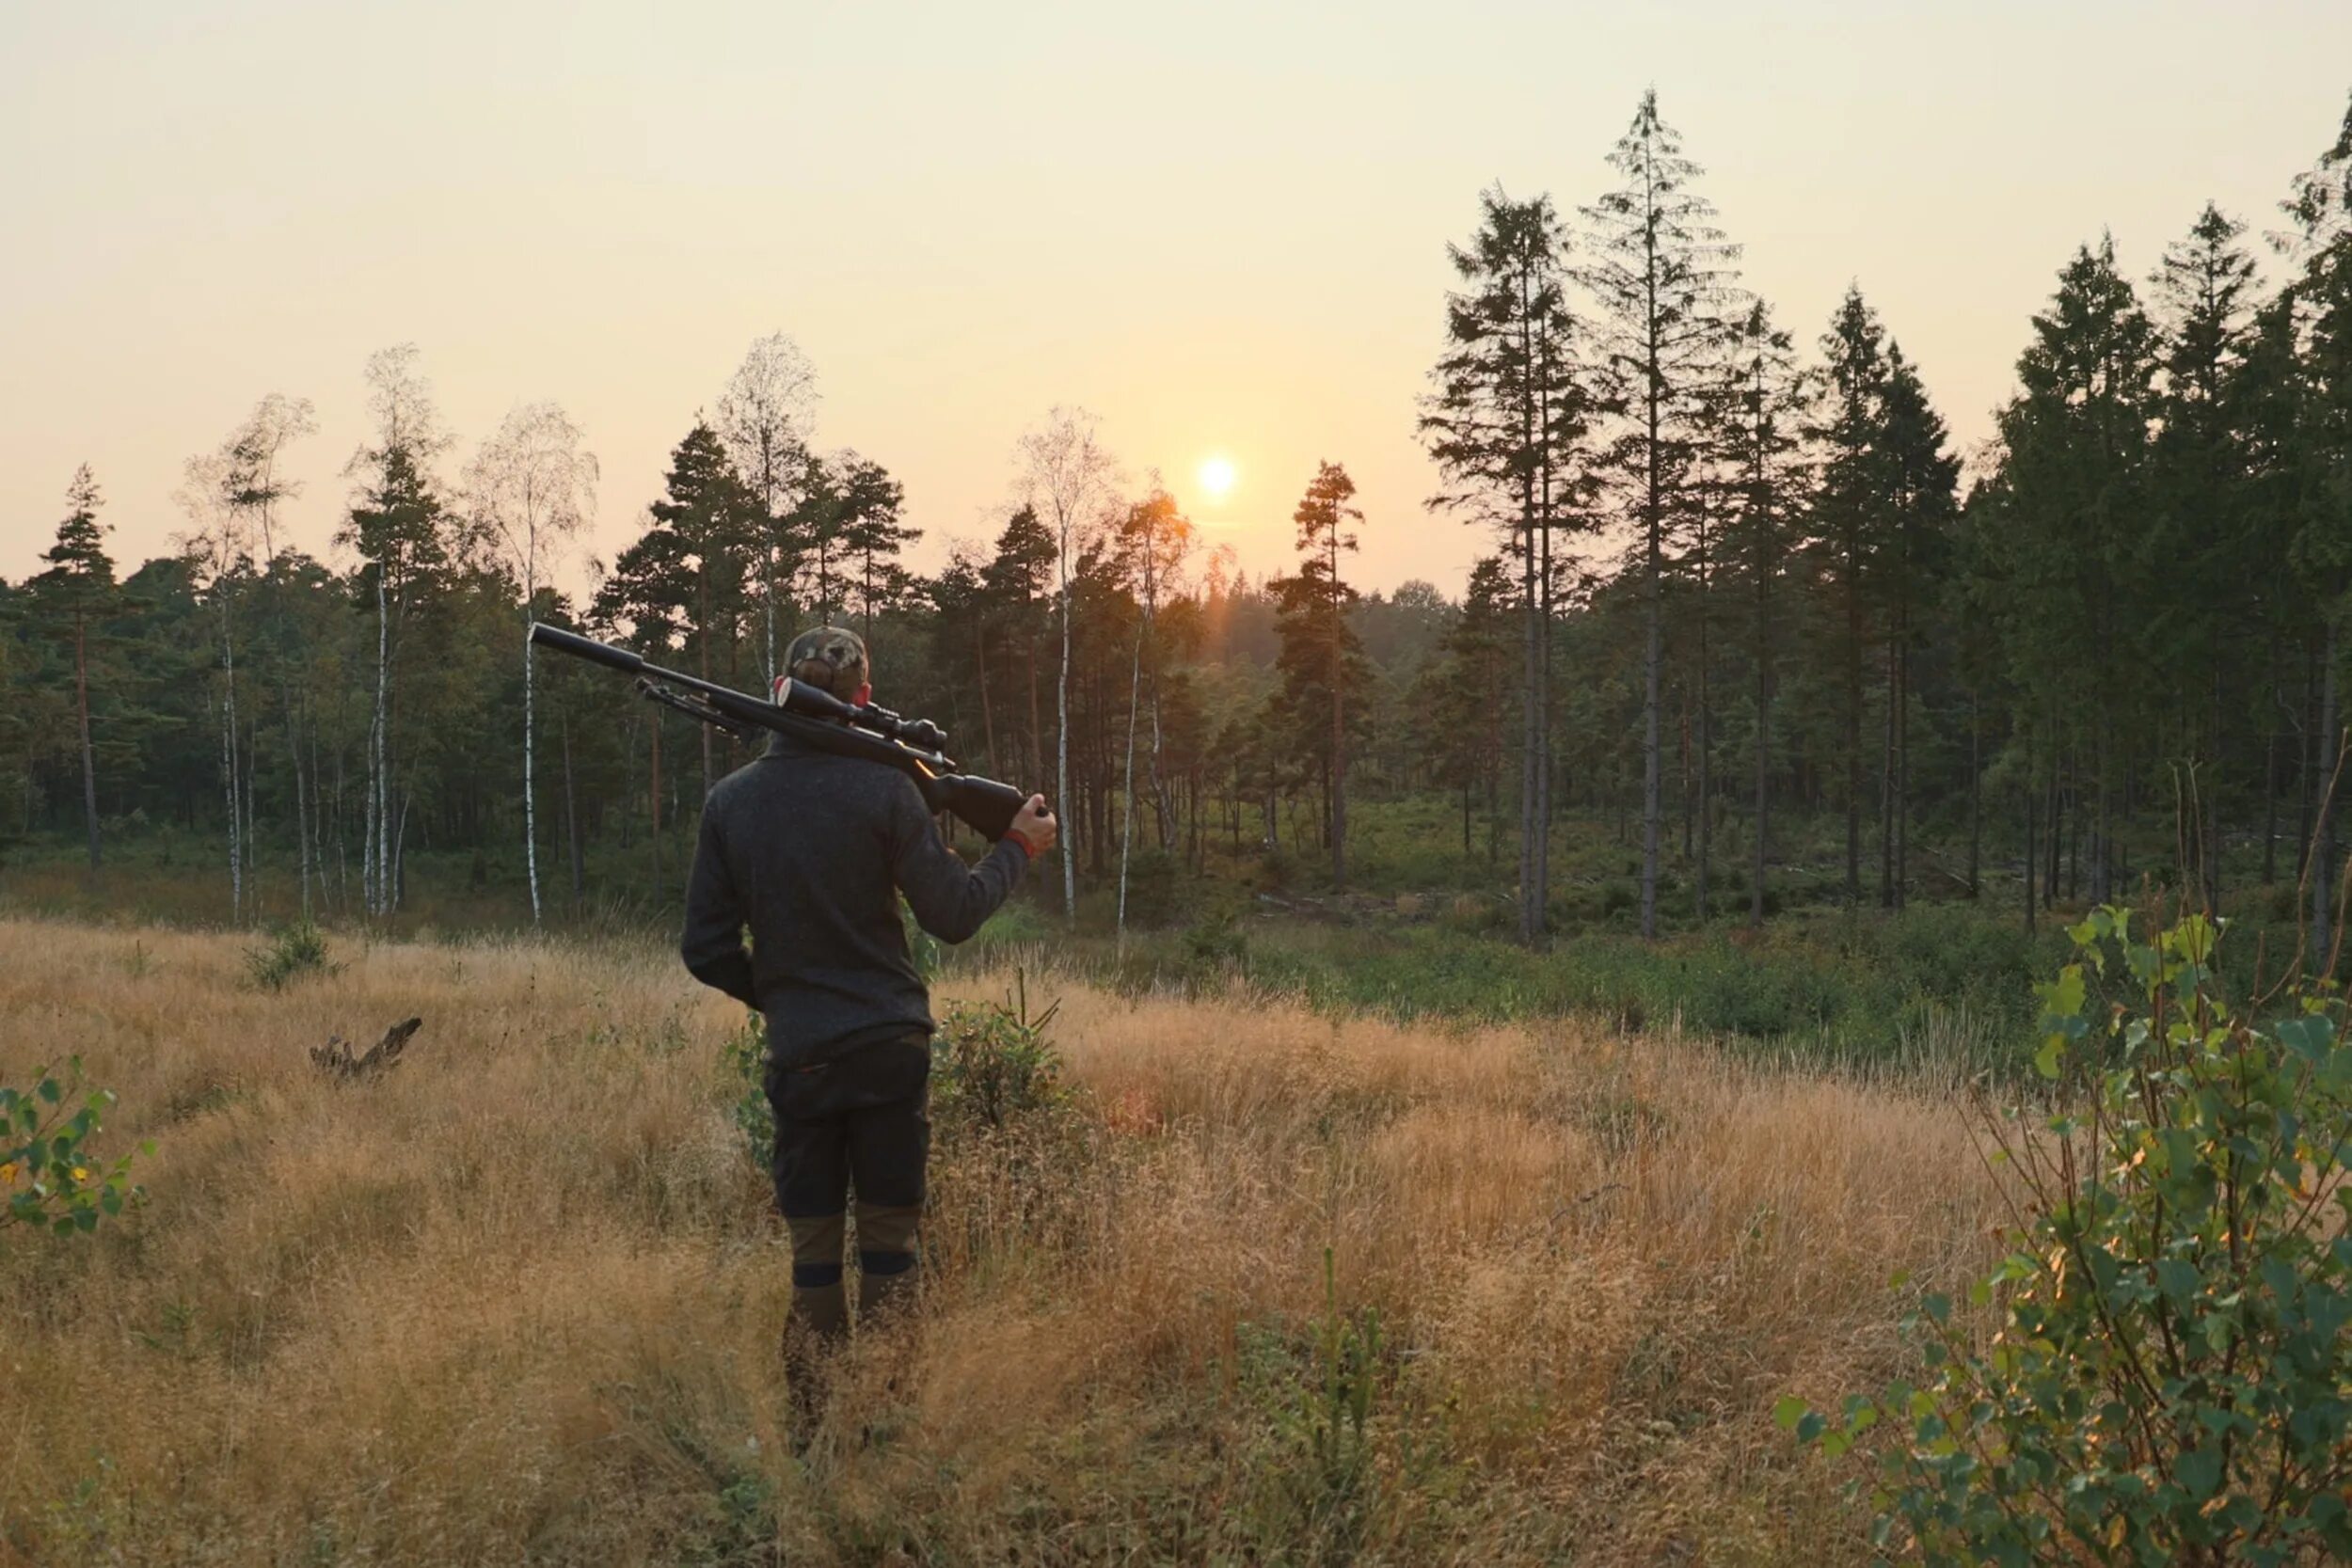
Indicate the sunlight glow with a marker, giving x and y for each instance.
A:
(1217, 475)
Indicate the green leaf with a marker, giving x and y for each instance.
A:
(2308, 1036)
(2199, 1471)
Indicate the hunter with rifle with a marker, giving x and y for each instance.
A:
(810, 846)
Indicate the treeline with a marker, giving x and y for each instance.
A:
(328, 723)
(1739, 592)
(1747, 578)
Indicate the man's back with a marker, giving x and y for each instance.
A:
(811, 850)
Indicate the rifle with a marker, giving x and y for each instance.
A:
(915, 747)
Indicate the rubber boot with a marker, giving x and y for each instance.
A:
(819, 1321)
(887, 1265)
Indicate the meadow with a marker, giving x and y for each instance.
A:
(1259, 1282)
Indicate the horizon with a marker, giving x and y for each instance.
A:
(998, 231)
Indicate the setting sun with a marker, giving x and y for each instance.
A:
(1216, 477)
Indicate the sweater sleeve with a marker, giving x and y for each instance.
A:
(950, 900)
(713, 944)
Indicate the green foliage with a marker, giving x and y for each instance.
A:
(992, 1066)
(294, 951)
(746, 1065)
(49, 1173)
(2169, 1377)
(1316, 1476)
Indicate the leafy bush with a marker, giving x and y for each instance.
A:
(2171, 1376)
(48, 1174)
(746, 1060)
(294, 951)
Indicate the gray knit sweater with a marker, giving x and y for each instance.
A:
(811, 850)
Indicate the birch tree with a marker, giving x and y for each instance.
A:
(530, 490)
(763, 419)
(398, 526)
(1069, 478)
(218, 547)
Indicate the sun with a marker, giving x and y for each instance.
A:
(1217, 476)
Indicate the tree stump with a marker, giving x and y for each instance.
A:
(335, 1059)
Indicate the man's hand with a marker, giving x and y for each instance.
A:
(1035, 828)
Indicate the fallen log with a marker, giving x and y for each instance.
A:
(335, 1059)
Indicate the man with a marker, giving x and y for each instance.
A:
(811, 850)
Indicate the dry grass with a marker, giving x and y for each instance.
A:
(518, 1301)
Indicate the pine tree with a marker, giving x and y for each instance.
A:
(870, 534)
(1019, 584)
(686, 584)
(1319, 646)
(1660, 274)
(76, 596)
(1506, 426)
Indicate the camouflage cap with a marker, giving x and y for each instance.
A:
(830, 658)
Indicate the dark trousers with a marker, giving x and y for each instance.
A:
(857, 1122)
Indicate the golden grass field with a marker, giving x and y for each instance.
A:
(518, 1301)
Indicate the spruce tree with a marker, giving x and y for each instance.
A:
(1920, 482)
(2203, 538)
(1660, 275)
(1762, 410)
(1848, 523)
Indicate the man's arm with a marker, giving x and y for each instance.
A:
(950, 900)
(713, 944)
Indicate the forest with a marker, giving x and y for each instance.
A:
(1751, 634)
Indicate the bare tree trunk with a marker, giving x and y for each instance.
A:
(90, 754)
(302, 812)
(1976, 793)
(2033, 849)
(1127, 816)
(571, 817)
(1530, 748)
(2330, 746)
(1853, 732)
(530, 796)
(988, 714)
(1763, 744)
(1061, 744)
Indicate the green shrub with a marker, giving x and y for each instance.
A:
(293, 952)
(49, 1176)
(1154, 889)
(2168, 1378)
(746, 1060)
(991, 1067)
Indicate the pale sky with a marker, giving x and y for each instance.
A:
(1220, 227)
